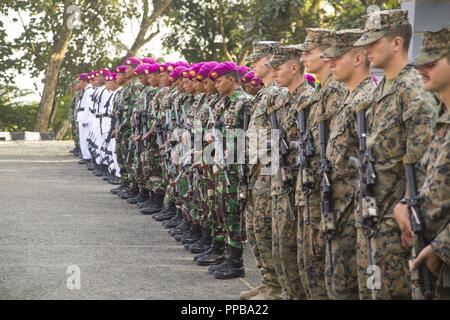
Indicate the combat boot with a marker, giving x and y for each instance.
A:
(122, 186)
(84, 161)
(194, 235)
(166, 214)
(130, 193)
(269, 293)
(234, 268)
(204, 243)
(115, 181)
(92, 165)
(155, 205)
(246, 295)
(101, 170)
(165, 210)
(142, 196)
(201, 254)
(174, 222)
(214, 256)
(183, 227)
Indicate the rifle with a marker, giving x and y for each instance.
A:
(305, 152)
(283, 151)
(218, 146)
(366, 179)
(326, 202)
(243, 180)
(417, 226)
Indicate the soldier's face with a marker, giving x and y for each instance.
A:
(180, 85)
(436, 76)
(342, 67)
(261, 70)
(129, 72)
(210, 86)
(153, 79)
(121, 78)
(199, 87)
(380, 52)
(224, 85)
(143, 79)
(283, 74)
(312, 61)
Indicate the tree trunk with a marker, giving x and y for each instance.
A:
(63, 130)
(159, 8)
(52, 71)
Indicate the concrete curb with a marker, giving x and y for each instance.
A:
(27, 136)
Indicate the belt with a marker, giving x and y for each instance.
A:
(80, 109)
(98, 116)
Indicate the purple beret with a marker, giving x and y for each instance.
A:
(194, 69)
(242, 70)
(92, 74)
(121, 69)
(103, 71)
(132, 61)
(181, 64)
(205, 69)
(112, 76)
(166, 66)
(310, 78)
(148, 60)
(256, 81)
(247, 77)
(84, 76)
(141, 68)
(222, 69)
(176, 73)
(152, 68)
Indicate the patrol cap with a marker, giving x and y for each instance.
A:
(261, 49)
(343, 41)
(435, 45)
(283, 54)
(315, 38)
(379, 23)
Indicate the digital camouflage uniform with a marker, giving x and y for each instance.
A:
(434, 195)
(402, 117)
(258, 214)
(323, 102)
(341, 277)
(285, 243)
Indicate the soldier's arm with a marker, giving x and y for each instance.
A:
(441, 245)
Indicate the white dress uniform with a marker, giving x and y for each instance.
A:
(83, 119)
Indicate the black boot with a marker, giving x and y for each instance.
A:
(120, 188)
(234, 266)
(101, 170)
(194, 235)
(156, 204)
(129, 193)
(142, 196)
(215, 255)
(180, 229)
(115, 181)
(204, 243)
(173, 222)
(92, 165)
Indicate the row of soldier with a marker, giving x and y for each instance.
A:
(350, 200)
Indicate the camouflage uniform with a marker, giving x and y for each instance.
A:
(341, 277)
(401, 120)
(434, 194)
(128, 97)
(230, 112)
(258, 212)
(285, 242)
(324, 101)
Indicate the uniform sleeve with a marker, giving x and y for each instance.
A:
(441, 245)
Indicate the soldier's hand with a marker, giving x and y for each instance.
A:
(209, 137)
(401, 215)
(430, 258)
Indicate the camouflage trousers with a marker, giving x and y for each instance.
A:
(215, 220)
(152, 170)
(75, 132)
(227, 206)
(341, 275)
(392, 259)
(311, 254)
(258, 217)
(284, 247)
(138, 167)
(362, 264)
(121, 152)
